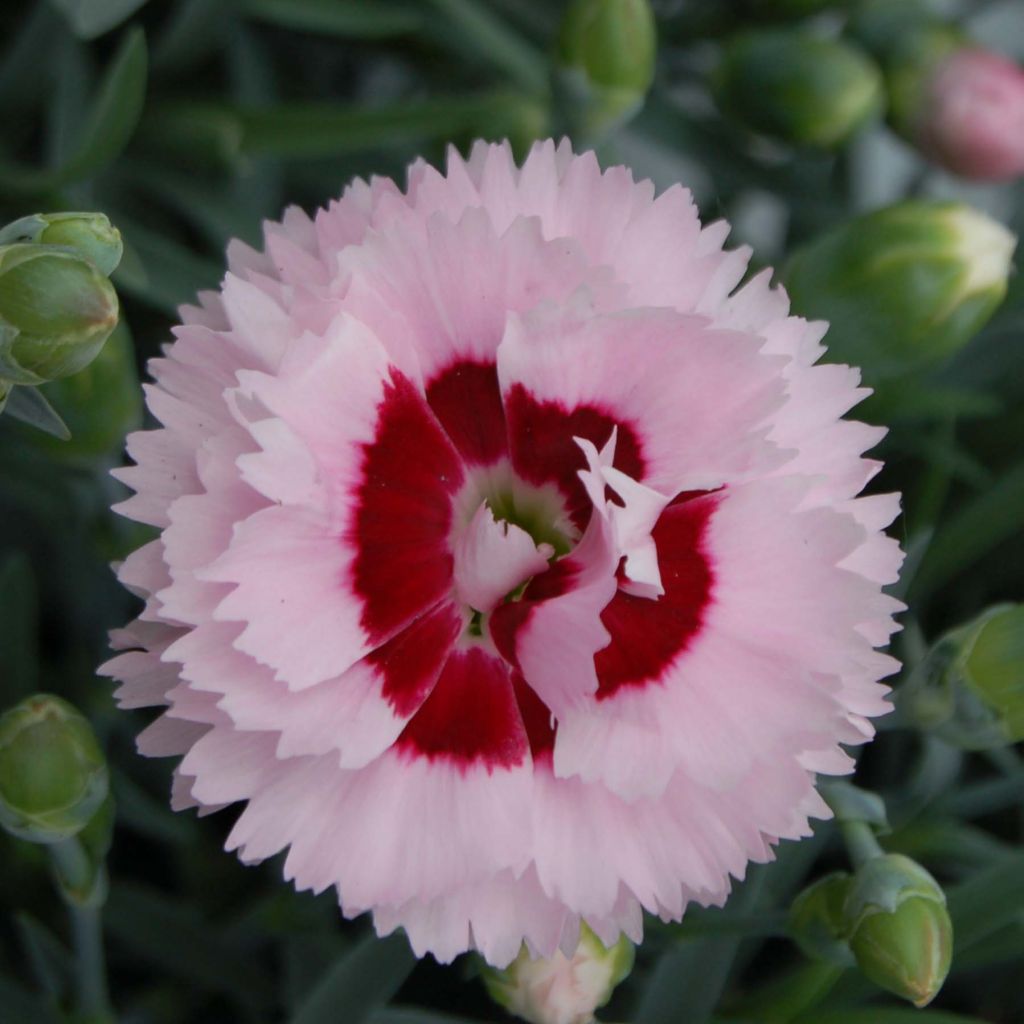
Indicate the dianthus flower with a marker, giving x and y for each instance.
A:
(511, 569)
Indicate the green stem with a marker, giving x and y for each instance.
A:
(77, 879)
(860, 841)
(90, 965)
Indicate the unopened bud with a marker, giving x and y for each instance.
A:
(53, 776)
(969, 688)
(903, 286)
(562, 990)
(798, 87)
(970, 116)
(960, 104)
(90, 234)
(606, 52)
(899, 929)
(56, 310)
(816, 920)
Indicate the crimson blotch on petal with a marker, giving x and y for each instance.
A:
(512, 572)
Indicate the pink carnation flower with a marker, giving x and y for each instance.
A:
(971, 118)
(511, 569)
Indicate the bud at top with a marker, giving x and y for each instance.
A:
(969, 689)
(90, 234)
(816, 920)
(960, 104)
(903, 286)
(562, 990)
(53, 776)
(56, 311)
(899, 929)
(798, 87)
(970, 119)
(613, 41)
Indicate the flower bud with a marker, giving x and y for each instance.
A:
(53, 776)
(798, 87)
(903, 286)
(607, 51)
(816, 920)
(900, 931)
(561, 990)
(960, 104)
(970, 116)
(90, 234)
(56, 311)
(969, 688)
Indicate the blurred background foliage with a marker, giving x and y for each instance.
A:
(188, 122)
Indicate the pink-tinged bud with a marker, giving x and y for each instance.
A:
(971, 118)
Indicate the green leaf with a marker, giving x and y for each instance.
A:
(23, 1007)
(472, 29)
(29, 405)
(302, 131)
(986, 902)
(888, 1015)
(115, 110)
(178, 941)
(91, 18)
(50, 960)
(363, 980)
(353, 19)
(410, 1015)
(19, 629)
(691, 976)
(112, 118)
(980, 525)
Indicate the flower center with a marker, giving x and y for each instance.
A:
(505, 532)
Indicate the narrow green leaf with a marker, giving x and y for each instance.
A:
(50, 960)
(361, 982)
(986, 902)
(468, 25)
(179, 942)
(115, 111)
(982, 524)
(19, 629)
(23, 1007)
(28, 405)
(354, 19)
(112, 118)
(690, 977)
(302, 131)
(888, 1015)
(410, 1015)
(91, 18)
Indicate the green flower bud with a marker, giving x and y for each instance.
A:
(53, 776)
(903, 286)
(56, 311)
(899, 929)
(816, 920)
(561, 990)
(607, 51)
(90, 234)
(99, 405)
(798, 87)
(969, 688)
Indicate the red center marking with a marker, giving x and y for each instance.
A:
(466, 399)
(400, 532)
(647, 636)
(543, 450)
(470, 717)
